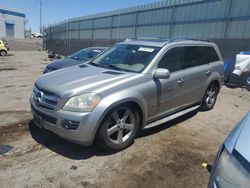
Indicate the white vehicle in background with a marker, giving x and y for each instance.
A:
(242, 63)
(37, 35)
(237, 72)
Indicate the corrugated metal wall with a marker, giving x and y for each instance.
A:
(170, 18)
(214, 19)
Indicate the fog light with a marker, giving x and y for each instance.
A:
(71, 125)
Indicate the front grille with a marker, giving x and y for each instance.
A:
(45, 117)
(45, 99)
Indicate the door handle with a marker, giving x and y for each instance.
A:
(208, 72)
(180, 81)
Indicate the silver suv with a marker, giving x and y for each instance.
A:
(136, 84)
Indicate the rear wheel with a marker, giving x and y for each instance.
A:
(119, 128)
(3, 53)
(210, 97)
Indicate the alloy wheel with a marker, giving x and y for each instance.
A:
(120, 125)
(211, 96)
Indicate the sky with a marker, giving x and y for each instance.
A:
(55, 11)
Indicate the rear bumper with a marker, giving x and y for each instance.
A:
(52, 120)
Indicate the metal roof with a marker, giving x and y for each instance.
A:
(11, 11)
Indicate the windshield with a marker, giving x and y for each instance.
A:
(85, 54)
(132, 58)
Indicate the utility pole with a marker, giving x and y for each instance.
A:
(40, 16)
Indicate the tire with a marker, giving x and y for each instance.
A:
(3, 53)
(119, 128)
(210, 97)
(248, 84)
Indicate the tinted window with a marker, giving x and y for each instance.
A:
(172, 60)
(208, 54)
(191, 56)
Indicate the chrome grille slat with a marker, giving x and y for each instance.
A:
(45, 99)
(50, 98)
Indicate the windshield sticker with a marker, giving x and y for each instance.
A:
(146, 49)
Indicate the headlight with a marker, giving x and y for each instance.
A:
(230, 173)
(82, 103)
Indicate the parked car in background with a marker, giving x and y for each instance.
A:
(3, 48)
(77, 58)
(139, 83)
(231, 168)
(37, 35)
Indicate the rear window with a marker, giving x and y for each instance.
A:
(208, 54)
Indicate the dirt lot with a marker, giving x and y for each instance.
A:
(167, 156)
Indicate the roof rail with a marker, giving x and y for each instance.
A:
(161, 39)
(147, 38)
(193, 39)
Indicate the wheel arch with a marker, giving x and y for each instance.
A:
(216, 82)
(128, 101)
(216, 78)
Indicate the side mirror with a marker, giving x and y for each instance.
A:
(161, 73)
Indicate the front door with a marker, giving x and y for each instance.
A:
(167, 94)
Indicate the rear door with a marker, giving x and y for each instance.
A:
(197, 70)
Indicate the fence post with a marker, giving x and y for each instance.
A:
(172, 22)
(136, 22)
(229, 8)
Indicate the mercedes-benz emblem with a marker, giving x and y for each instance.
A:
(39, 97)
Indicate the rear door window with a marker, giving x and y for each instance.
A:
(191, 56)
(172, 60)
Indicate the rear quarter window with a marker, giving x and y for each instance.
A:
(208, 54)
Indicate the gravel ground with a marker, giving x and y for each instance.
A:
(167, 156)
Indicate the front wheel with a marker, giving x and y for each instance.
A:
(118, 129)
(210, 97)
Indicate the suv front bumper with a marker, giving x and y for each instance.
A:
(85, 124)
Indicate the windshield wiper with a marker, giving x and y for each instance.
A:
(113, 67)
(106, 66)
(94, 64)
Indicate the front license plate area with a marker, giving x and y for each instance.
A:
(38, 121)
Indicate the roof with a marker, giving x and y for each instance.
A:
(12, 11)
(160, 42)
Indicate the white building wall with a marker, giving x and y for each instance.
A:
(19, 25)
(2, 26)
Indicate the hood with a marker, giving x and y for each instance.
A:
(239, 138)
(61, 63)
(84, 78)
